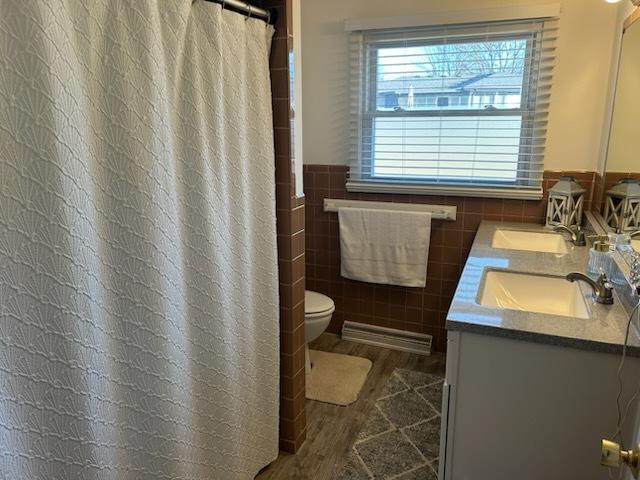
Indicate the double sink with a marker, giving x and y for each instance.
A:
(536, 293)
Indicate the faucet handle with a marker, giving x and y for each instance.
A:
(577, 235)
(603, 279)
(580, 238)
(605, 290)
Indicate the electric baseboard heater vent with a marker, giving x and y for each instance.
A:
(387, 337)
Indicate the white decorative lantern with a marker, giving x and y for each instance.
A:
(566, 202)
(622, 206)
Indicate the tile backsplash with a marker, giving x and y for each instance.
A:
(420, 310)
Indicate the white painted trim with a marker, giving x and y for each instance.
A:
(456, 17)
(486, 192)
(439, 212)
(449, 414)
(418, 343)
(446, 394)
(298, 159)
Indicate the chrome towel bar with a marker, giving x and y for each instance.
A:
(438, 212)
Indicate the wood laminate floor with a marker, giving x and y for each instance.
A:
(331, 430)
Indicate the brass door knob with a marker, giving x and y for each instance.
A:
(613, 456)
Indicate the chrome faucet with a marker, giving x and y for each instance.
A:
(577, 235)
(602, 289)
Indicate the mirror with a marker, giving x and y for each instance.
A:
(617, 191)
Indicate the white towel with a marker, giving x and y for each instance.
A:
(384, 246)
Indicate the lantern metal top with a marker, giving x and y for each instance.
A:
(567, 185)
(625, 188)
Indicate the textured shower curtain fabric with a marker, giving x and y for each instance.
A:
(138, 263)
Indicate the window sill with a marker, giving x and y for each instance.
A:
(447, 190)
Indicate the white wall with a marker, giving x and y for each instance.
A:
(624, 10)
(622, 154)
(588, 29)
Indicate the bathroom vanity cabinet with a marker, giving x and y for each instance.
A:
(530, 396)
(521, 410)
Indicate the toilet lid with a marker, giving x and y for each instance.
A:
(315, 302)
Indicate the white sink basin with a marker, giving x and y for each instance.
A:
(531, 241)
(533, 293)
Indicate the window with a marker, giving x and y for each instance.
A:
(443, 101)
(460, 109)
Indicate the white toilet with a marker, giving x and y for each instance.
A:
(318, 309)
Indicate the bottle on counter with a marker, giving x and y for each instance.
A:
(601, 257)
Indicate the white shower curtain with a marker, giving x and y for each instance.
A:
(138, 266)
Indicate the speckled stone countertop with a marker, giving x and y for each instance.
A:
(604, 331)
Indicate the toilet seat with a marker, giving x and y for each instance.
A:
(317, 305)
(310, 317)
(318, 310)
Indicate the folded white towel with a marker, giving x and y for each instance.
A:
(384, 246)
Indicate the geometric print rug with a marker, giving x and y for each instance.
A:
(400, 439)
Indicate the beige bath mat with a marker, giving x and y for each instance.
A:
(336, 378)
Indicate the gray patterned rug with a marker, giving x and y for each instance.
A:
(401, 438)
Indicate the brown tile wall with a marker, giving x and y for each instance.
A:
(420, 310)
(291, 239)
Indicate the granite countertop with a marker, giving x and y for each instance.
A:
(604, 331)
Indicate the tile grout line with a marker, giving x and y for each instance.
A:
(414, 469)
(366, 468)
(395, 394)
(421, 421)
(407, 387)
(379, 434)
(428, 403)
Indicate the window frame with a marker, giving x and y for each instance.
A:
(526, 184)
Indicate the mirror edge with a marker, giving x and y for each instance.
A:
(597, 203)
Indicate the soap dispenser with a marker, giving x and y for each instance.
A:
(601, 257)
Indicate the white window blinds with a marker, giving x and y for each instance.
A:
(460, 109)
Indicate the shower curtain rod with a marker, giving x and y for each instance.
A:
(244, 8)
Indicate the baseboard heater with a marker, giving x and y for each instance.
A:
(387, 337)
